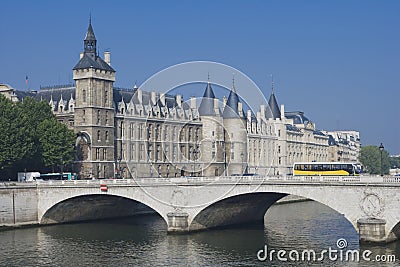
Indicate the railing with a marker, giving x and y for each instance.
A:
(298, 180)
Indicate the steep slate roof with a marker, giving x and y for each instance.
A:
(273, 110)
(87, 62)
(231, 107)
(90, 33)
(126, 94)
(90, 59)
(206, 107)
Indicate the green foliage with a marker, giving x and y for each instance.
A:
(395, 162)
(23, 145)
(56, 142)
(370, 158)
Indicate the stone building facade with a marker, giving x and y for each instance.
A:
(134, 133)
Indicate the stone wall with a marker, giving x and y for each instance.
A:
(18, 206)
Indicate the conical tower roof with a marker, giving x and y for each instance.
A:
(273, 110)
(206, 107)
(231, 108)
(90, 33)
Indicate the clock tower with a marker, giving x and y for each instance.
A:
(94, 112)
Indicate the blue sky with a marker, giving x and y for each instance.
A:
(338, 61)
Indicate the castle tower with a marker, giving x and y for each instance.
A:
(235, 134)
(94, 113)
(212, 144)
(277, 118)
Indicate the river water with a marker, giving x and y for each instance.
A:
(143, 241)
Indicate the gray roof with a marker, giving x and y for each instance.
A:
(90, 58)
(297, 116)
(292, 128)
(120, 93)
(90, 33)
(231, 107)
(206, 107)
(273, 110)
(319, 132)
(98, 63)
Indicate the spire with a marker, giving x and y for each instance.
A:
(273, 110)
(90, 58)
(206, 107)
(272, 83)
(231, 108)
(233, 83)
(90, 41)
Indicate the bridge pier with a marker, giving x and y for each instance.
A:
(372, 230)
(178, 222)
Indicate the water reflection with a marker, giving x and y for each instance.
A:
(143, 241)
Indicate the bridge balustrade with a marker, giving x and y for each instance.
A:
(392, 180)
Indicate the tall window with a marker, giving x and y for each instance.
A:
(106, 136)
(105, 97)
(106, 117)
(98, 116)
(84, 95)
(132, 151)
(132, 130)
(98, 135)
(122, 130)
(140, 131)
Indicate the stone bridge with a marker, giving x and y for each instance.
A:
(370, 204)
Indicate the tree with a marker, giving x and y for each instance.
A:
(31, 113)
(57, 143)
(395, 162)
(31, 138)
(370, 158)
(15, 143)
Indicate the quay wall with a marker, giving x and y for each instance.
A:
(18, 205)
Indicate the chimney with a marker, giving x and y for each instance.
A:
(249, 115)
(282, 112)
(178, 99)
(107, 57)
(139, 95)
(240, 109)
(81, 55)
(162, 98)
(262, 108)
(193, 102)
(216, 105)
(153, 97)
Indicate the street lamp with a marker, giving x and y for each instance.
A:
(381, 148)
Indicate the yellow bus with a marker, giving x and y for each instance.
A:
(326, 168)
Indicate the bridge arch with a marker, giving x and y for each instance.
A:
(86, 207)
(395, 231)
(250, 207)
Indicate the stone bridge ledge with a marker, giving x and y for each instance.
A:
(196, 203)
